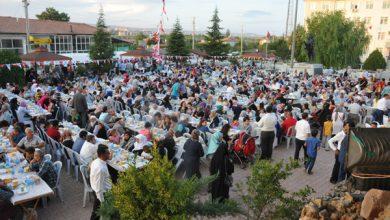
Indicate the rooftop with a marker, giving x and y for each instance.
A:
(13, 25)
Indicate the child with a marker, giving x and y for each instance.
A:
(327, 132)
(312, 146)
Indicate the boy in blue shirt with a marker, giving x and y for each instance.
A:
(312, 146)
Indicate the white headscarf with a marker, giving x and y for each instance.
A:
(142, 142)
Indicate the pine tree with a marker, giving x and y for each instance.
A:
(375, 61)
(102, 47)
(176, 41)
(214, 45)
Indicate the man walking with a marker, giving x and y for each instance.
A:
(100, 178)
(302, 129)
(81, 106)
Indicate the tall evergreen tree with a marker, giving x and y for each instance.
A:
(176, 41)
(375, 61)
(214, 45)
(102, 47)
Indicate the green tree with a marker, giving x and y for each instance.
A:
(266, 198)
(338, 41)
(176, 44)
(101, 48)
(54, 15)
(300, 47)
(375, 61)
(8, 57)
(155, 193)
(227, 33)
(214, 45)
(279, 47)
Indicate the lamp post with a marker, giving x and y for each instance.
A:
(294, 35)
(25, 2)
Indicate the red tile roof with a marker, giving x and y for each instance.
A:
(12, 25)
(139, 52)
(41, 54)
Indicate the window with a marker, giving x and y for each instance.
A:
(12, 44)
(384, 20)
(386, 4)
(367, 20)
(369, 5)
(63, 44)
(325, 7)
(82, 43)
(340, 5)
(381, 35)
(313, 6)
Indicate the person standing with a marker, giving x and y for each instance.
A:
(222, 166)
(193, 151)
(267, 125)
(339, 138)
(343, 150)
(312, 146)
(302, 129)
(100, 178)
(81, 107)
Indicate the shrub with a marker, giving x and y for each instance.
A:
(155, 193)
(375, 61)
(14, 75)
(9, 57)
(266, 198)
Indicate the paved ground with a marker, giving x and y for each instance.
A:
(73, 191)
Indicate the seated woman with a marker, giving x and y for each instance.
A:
(202, 126)
(67, 140)
(100, 131)
(140, 142)
(214, 120)
(113, 136)
(91, 124)
(147, 132)
(44, 168)
(166, 146)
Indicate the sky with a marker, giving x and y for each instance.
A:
(256, 16)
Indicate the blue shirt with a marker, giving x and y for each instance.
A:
(78, 144)
(175, 90)
(312, 144)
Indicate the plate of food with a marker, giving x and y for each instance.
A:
(22, 189)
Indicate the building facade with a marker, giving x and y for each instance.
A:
(58, 37)
(375, 13)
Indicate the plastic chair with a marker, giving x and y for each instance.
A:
(290, 136)
(57, 167)
(187, 135)
(137, 117)
(67, 158)
(87, 187)
(47, 157)
(73, 161)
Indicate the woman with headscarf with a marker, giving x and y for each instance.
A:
(214, 142)
(140, 142)
(193, 151)
(23, 114)
(337, 120)
(221, 166)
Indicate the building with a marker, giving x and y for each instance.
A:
(375, 13)
(56, 36)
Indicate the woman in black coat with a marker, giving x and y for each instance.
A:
(193, 151)
(223, 167)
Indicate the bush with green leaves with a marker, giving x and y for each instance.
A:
(375, 61)
(155, 193)
(13, 75)
(9, 57)
(265, 197)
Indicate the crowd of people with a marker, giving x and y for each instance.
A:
(209, 104)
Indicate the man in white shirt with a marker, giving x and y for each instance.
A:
(339, 137)
(89, 149)
(382, 107)
(100, 178)
(354, 112)
(302, 131)
(267, 126)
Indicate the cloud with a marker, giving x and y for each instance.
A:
(254, 13)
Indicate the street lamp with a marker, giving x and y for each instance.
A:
(26, 4)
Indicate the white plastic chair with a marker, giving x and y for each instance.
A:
(73, 161)
(57, 167)
(87, 187)
(137, 117)
(290, 136)
(47, 157)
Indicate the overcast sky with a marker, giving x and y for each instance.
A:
(257, 16)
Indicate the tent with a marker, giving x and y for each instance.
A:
(41, 54)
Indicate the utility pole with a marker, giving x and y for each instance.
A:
(294, 35)
(242, 38)
(288, 17)
(25, 2)
(193, 33)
